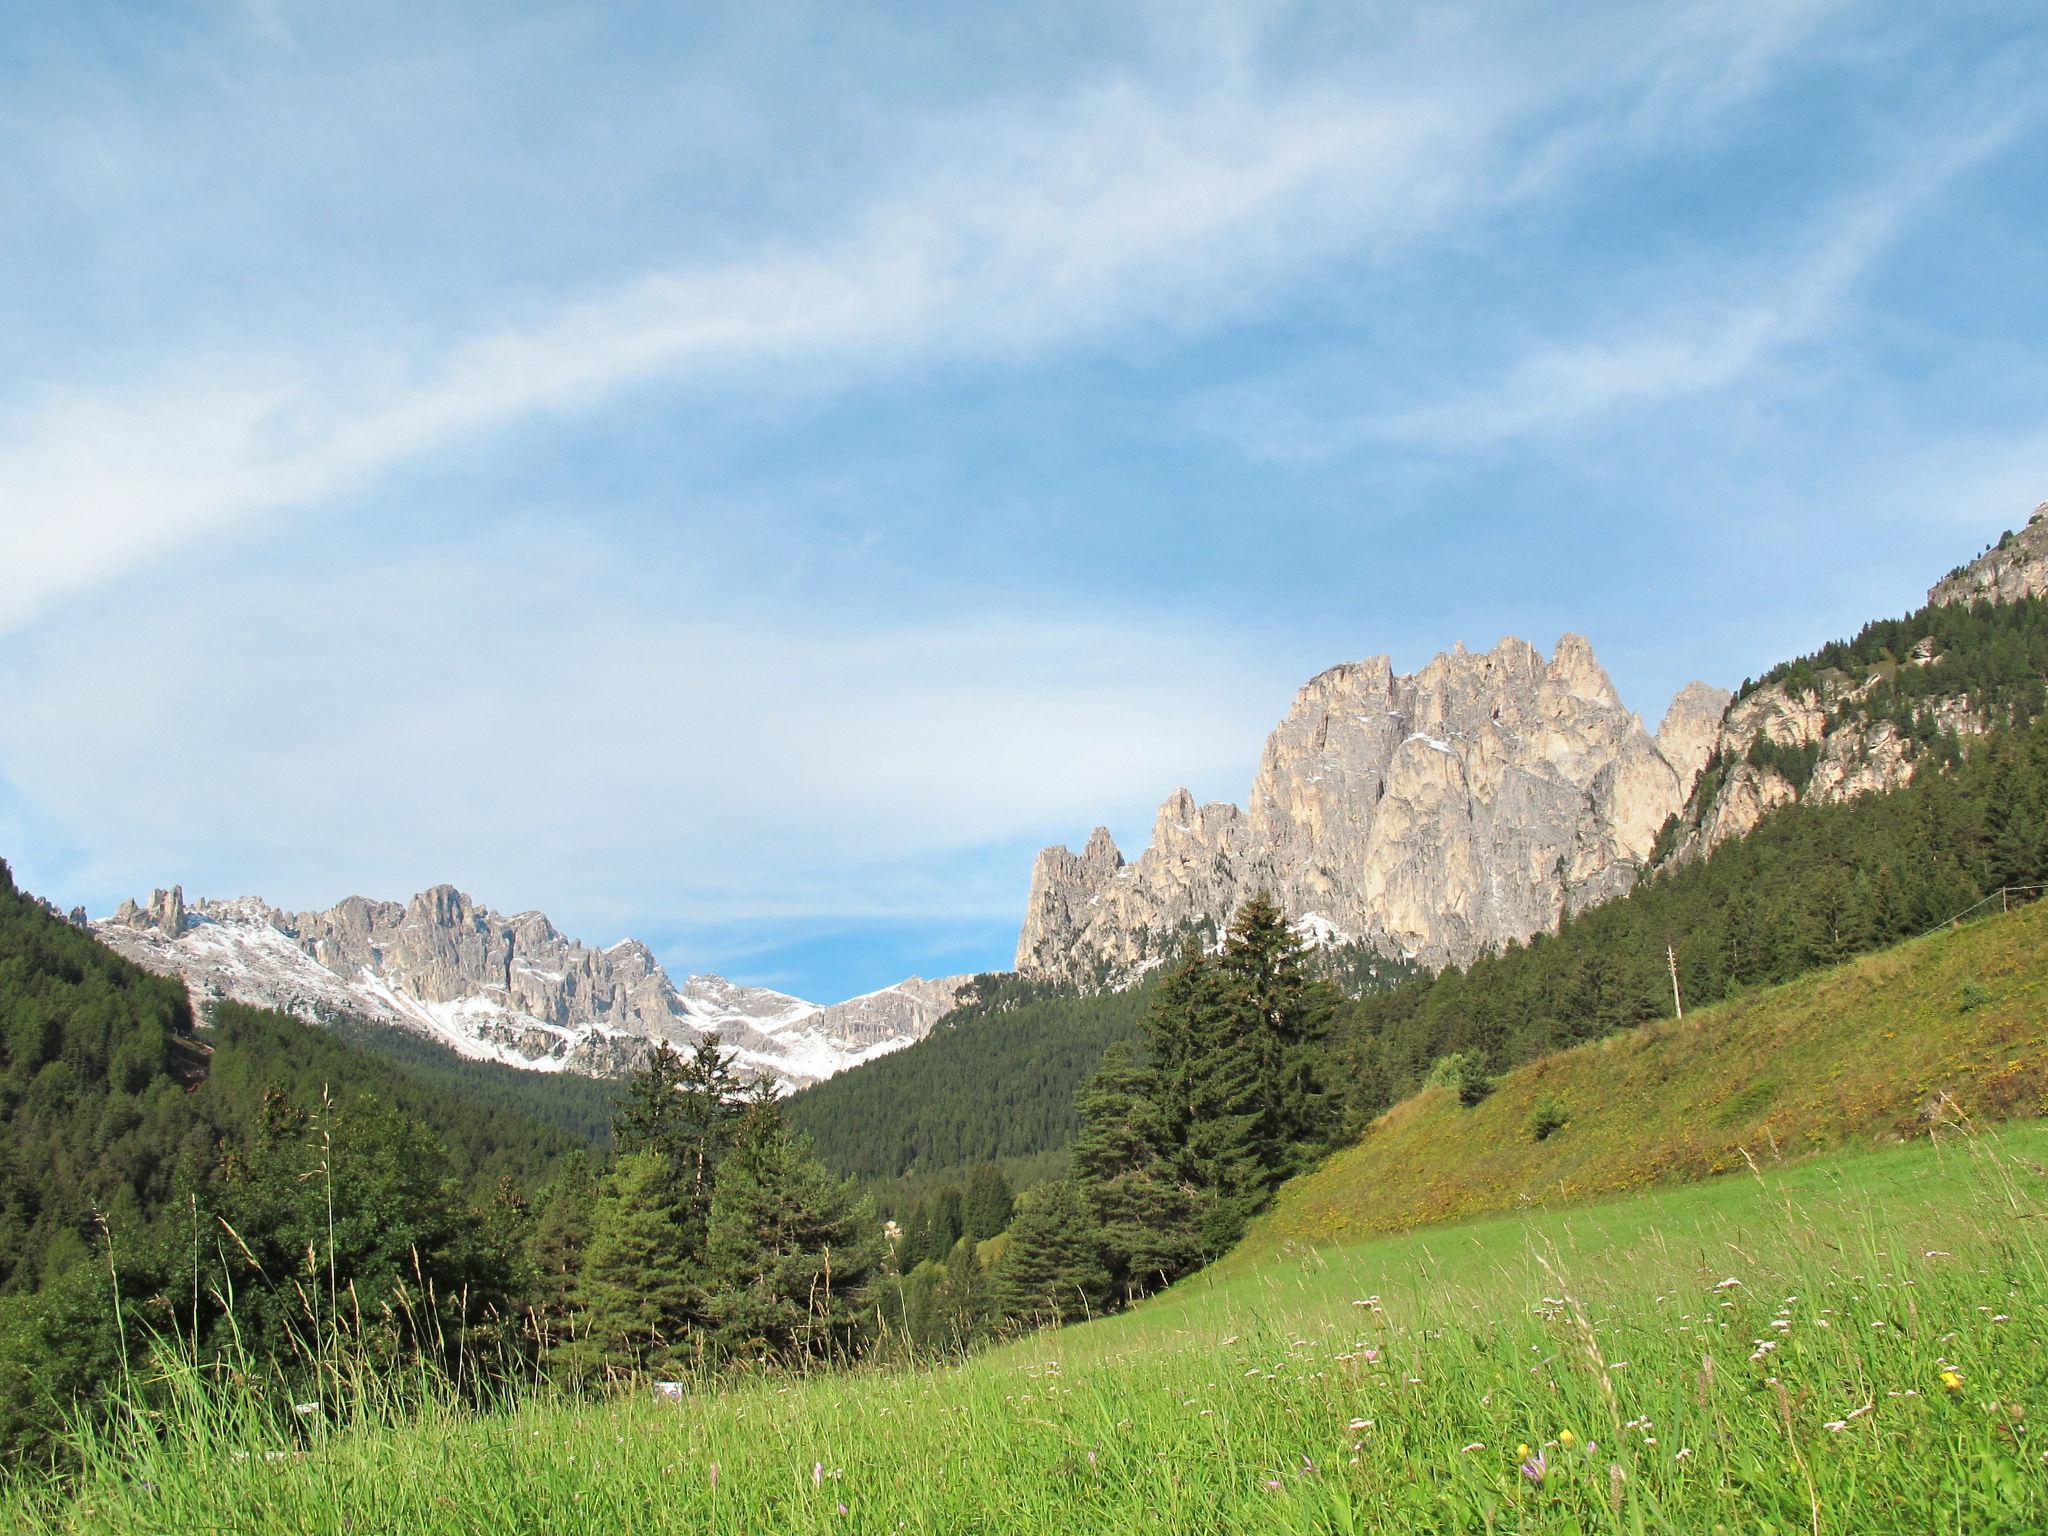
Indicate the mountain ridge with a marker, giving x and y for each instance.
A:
(511, 989)
(1431, 816)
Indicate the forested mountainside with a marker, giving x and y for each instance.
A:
(1869, 713)
(568, 1101)
(1811, 885)
(993, 1082)
(132, 1145)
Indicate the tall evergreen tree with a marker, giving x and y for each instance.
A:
(1146, 1215)
(1236, 1042)
(1052, 1270)
(793, 1251)
(639, 1294)
(986, 1206)
(561, 1232)
(947, 1222)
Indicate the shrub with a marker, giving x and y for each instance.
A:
(1548, 1118)
(1464, 1071)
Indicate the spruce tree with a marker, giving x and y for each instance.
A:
(684, 1110)
(1051, 1270)
(947, 1222)
(1147, 1215)
(561, 1233)
(637, 1295)
(918, 1242)
(793, 1251)
(964, 1299)
(1244, 1104)
(985, 1208)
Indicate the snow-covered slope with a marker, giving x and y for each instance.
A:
(509, 989)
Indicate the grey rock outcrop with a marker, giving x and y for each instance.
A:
(2013, 568)
(1435, 816)
(512, 989)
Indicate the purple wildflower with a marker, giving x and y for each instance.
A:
(1534, 1468)
(817, 1474)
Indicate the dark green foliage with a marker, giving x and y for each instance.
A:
(1812, 885)
(1123, 1162)
(638, 1293)
(1236, 1043)
(943, 1308)
(562, 1215)
(1052, 1269)
(1793, 764)
(1996, 654)
(344, 1217)
(935, 1224)
(986, 1207)
(794, 1252)
(583, 1107)
(1547, 1118)
(1473, 1083)
(993, 1082)
(684, 1111)
(200, 1163)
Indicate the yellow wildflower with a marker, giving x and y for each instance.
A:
(1952, 1381)
(1522, 1451)
(1565, 1438)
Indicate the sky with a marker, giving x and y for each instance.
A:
(746, 477)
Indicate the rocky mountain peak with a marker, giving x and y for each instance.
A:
(1789, 740)
(1434, 815)
(1692, 727)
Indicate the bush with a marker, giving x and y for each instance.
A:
(1548, 1118)
(1464, 1071)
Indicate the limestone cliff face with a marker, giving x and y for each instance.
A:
(511, 989)
(2013, 568)
(1436, 816)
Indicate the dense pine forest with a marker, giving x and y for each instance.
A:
(582, 1106)
(141, 1156)
(993, 1082)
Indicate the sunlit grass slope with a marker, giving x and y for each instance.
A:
(1854, 1056)
(1759, 1353)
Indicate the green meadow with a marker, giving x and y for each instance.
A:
(1850, 1344)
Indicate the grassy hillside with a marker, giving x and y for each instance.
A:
(1856, 1055)
(1760, 1353)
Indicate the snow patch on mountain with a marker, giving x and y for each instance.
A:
(506, 989)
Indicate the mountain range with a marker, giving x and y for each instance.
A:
(1435, 817)
(508, 989)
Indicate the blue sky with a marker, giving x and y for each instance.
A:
(747, 477)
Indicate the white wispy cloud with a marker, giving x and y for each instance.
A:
(1715, 333)
(1126, 202)
(395, 724)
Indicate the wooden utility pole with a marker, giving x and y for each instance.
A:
(1677, 1002)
